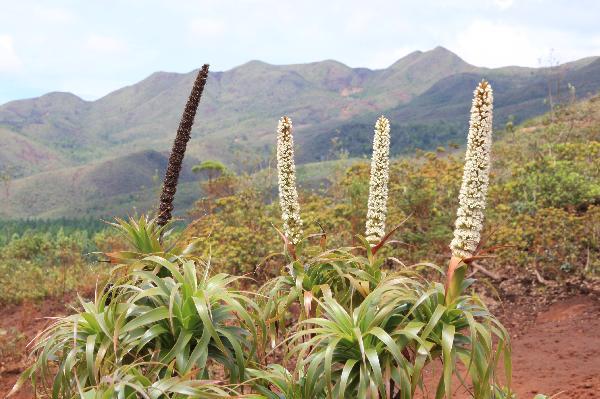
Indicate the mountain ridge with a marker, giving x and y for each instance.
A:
(426, 95)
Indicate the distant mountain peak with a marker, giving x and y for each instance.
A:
(442, 52)
(164, 75)
(62, 95)
(440, 49)
(407, 59)
(330, 63)
(438, 54)
(252, 64)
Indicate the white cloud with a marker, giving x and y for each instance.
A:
(104, 44)
(203, 27)
(495, 44)
(491, 44)
(51, 14)
(360, 21)
(9, 60)
(504, 4)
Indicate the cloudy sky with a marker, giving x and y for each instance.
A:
(91, 47)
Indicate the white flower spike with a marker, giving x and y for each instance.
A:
(474, 188)
(288, 195)
(378, 184)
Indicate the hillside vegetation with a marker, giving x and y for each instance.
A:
(545, 182)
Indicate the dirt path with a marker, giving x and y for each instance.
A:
(18, 326)
(555, 349)
(560, 352)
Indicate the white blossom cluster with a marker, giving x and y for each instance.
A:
(378, 184)
(473, 191)
(288, 195)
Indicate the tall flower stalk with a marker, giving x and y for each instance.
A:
(378, 184)
(474, 188)
(169, 188)
(288, 194)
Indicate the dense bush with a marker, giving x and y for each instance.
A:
(424, 190)
(36, 264)
(51, 261)
(10, 228)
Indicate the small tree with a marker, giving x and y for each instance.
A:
(212, 169)
(221, 182)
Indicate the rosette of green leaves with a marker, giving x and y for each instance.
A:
(381, 347)
(171, 316)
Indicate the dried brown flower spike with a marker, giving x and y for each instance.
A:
(179, 146)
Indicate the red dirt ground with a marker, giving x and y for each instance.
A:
(556, 346)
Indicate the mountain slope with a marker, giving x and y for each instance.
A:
(101, 188)
(22, 156)
(415, 73)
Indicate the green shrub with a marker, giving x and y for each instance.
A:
(173, 326)
(389, 338)
(167, 326)
(551, 183)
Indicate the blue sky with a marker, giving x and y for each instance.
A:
(91, 47)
